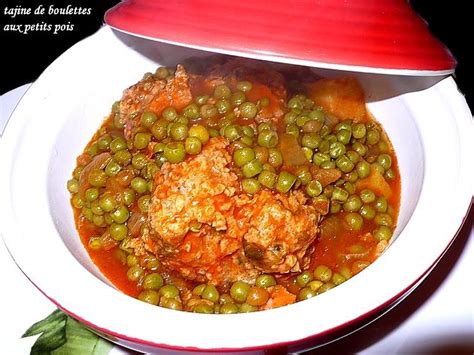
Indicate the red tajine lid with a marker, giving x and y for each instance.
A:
(381, 36)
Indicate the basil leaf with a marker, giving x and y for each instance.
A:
(63, 335)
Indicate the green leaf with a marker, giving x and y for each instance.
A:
(63, 335)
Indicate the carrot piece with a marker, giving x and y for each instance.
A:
(279, 296)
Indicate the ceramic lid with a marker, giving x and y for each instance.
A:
(381, 36)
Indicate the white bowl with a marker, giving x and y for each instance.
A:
(427, 120)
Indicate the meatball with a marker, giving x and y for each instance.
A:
(204, 228)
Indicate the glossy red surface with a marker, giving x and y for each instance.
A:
(365, 35)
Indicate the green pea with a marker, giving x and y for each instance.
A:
(382, 233)
(304, 175)
(385, 160)
(353, 156)
(335, 207)
(232, 132)
(304, 278)
(296, 103)
(107, 202)
(128, 196)
(95, 243)
(367, 196)
(353, 204)
(152, 281)
(223, 106)
(339, 194)
(93, 150)
(169, 114)
(91, 194)
(358, 130)
(149, 296)
(77, 201)
(160, 129)
(97, 178)
(344, 164)
(383, 146)
(290, 117)
(389, 174)
(381, 204)
(250, 186)
(248, 110)
(174, 152)
(96, 209)
(178, 131)
(141, 140)
(338, 279)
(237, 98)
(169, 291)
(73, 186)
(293, 130)
(354, 221)
(350, 187)
(314, 188)
(162, 73)
(147, 119)
(328, 165)
(222, 91)
(139, 184)
(243, 156)
(229, 308)
(367, 212)
(378, 168)
(383, 219)
(210, 293)
(120, 215)
(360, 148)
(134, 273)
(139, 161)
(193, 145)
(267, 138)
(363, 169)
(112, 168)
(275, 158)
(344, 136)
(311, 140)
(144, 203)
(285, 181)
(200, 132)
(118, 231)
(265, 281)
(123, 157)
(191, 111)
(336, 150)
(203, 308)
(208, 111)
(252, 168)
(198, 289)
(244, 86)
(104, 142)
(239, 291)
(267, 179)
(305, 293)
(373, 136)
(317, 114)
(319, 158)
(263, 102)
(202, 99)
(322, 273)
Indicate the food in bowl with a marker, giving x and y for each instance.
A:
(228, 185)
